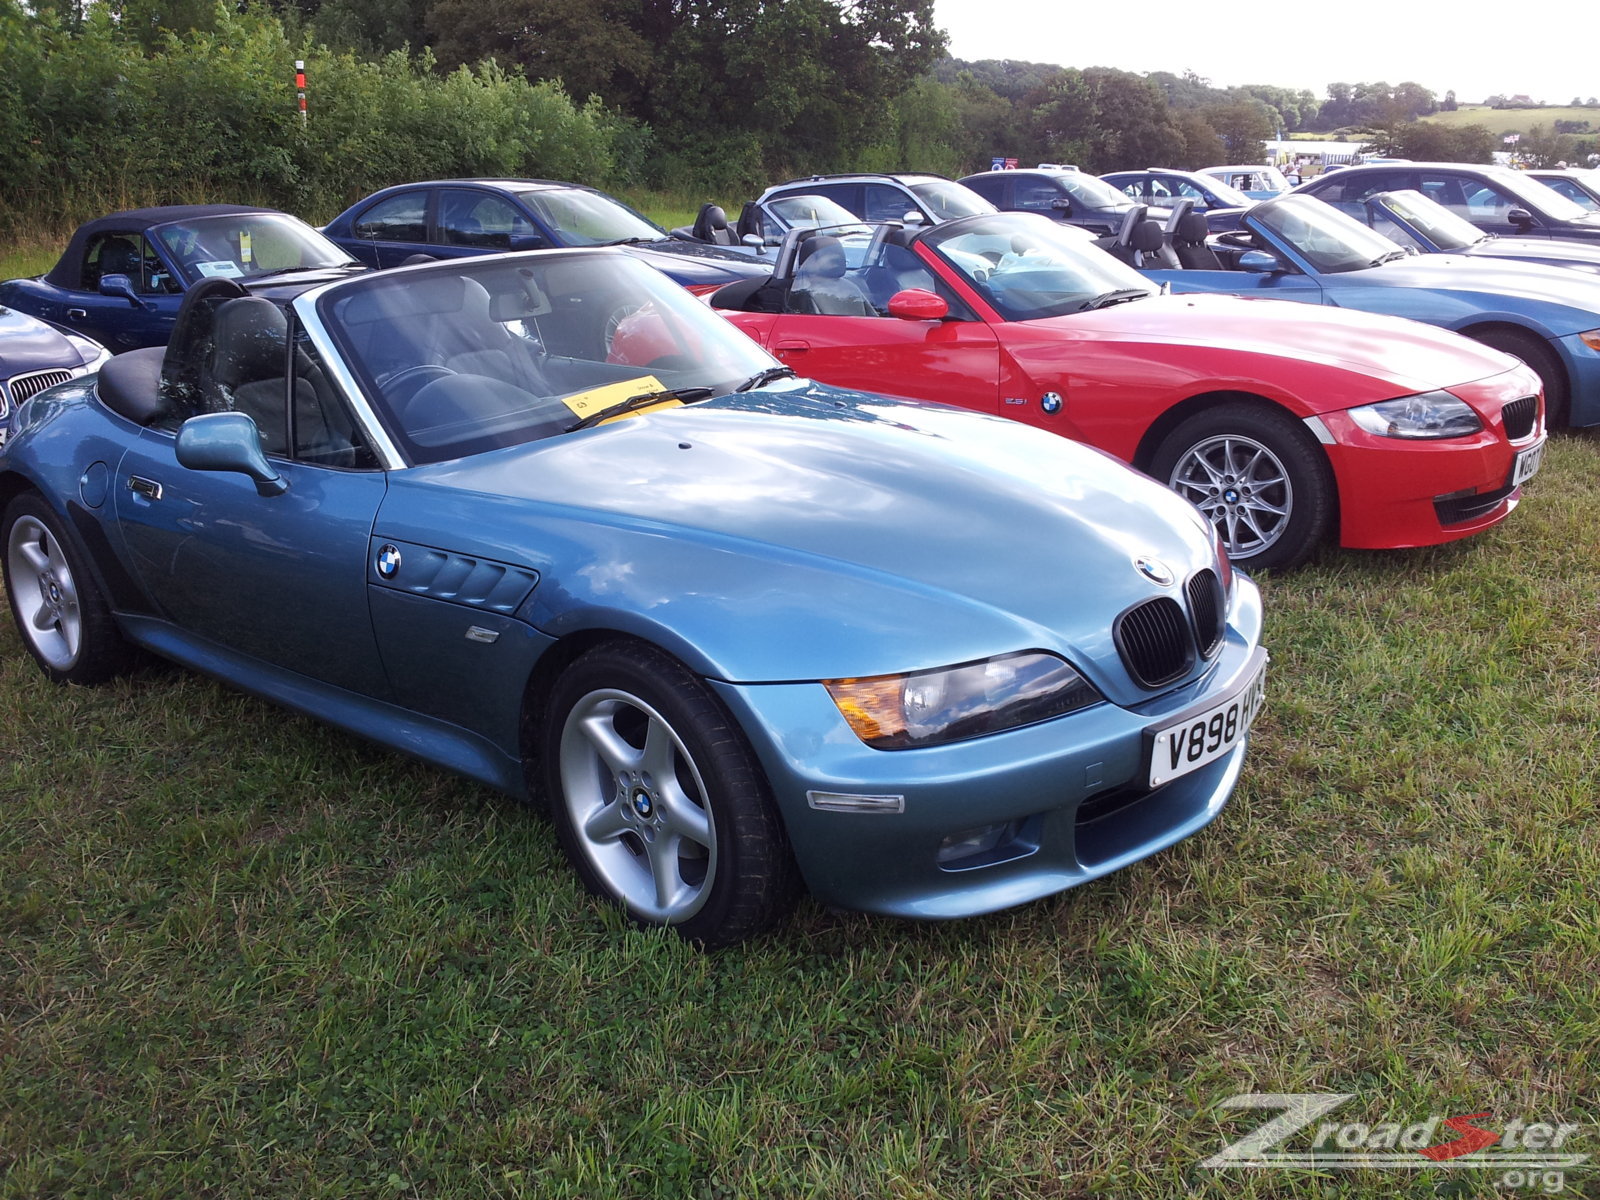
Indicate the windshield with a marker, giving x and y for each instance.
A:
(1027, 268)
(1326, 238)
(810, 212)
(238, 245)
(1239, 180)
(482, 353)
(1231, 196)
(1091, 190)
(589, 218)
(947, 200)
(1433, 220)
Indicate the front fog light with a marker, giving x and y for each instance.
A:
(926, 708)
(1425, 415)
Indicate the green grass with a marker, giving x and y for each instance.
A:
(1514, 120)
(244, 955)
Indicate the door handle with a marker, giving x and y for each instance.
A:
(148, 488)
(794, 344)
(77, 314)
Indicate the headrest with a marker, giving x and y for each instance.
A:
(1192, 227)
(828, 253)
(118, 256)
(251, 339)
(1130, 221)
(1147, 236)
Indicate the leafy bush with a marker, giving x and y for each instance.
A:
(90, 120)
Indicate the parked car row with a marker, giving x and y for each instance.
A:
(701, 568)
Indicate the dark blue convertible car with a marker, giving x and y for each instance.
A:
(737, 630)
(462, 218)
(123, 276)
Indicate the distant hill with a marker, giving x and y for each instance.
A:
(1507, 120)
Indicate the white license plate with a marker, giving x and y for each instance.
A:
(1197, 738)
(1527, 465)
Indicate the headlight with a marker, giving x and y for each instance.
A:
(1427, 415)
(926, 708)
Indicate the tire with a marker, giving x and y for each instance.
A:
(56, 603)
(1259, 476)
(659, 801)
(1532, 350)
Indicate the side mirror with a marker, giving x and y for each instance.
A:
(916, 304)
(120, 285)
(914, 217)
(755, 239)
(1521, 218)
(228, 441)
(526, 241)
(1062, 204)
(1260, 262)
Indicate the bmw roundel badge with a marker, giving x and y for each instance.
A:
(1050, 402)
(389, 561)
(1153, 569)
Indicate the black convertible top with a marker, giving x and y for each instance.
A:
(68, 270)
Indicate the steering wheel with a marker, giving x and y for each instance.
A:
(402, 385)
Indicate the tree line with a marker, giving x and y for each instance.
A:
(108, 103)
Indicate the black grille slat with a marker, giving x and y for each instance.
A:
(1206, 610)
(24, 386)
(1154, 640)
(1519, 416)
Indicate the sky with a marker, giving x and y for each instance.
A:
(1470, 47)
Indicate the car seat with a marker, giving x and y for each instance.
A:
(820, 284)
(119, 256)
(711, 225)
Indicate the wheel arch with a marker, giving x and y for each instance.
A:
(1557, 399)
(1180, 412)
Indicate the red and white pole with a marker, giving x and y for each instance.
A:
(300, 85)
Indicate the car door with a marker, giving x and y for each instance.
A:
(954, 361)
(472, 221)
(281, 579)
(391, 230)
(1291, 283)
(1480, 201)
(115, 321)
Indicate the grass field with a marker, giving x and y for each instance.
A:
(1520, 120)
(242, 955)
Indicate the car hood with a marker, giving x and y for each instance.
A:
(1564, 252)
(879, 536)
(1399, 356)
(695, 263)
(28, 344)
(1509, 284)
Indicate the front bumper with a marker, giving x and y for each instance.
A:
(1031, 783)
(1395, 493)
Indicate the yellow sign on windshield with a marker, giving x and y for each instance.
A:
(585, 404)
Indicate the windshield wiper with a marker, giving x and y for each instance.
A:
(642, 400)
(1389, 257)
(630, 241)
(1120, 296)
(762, 378)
